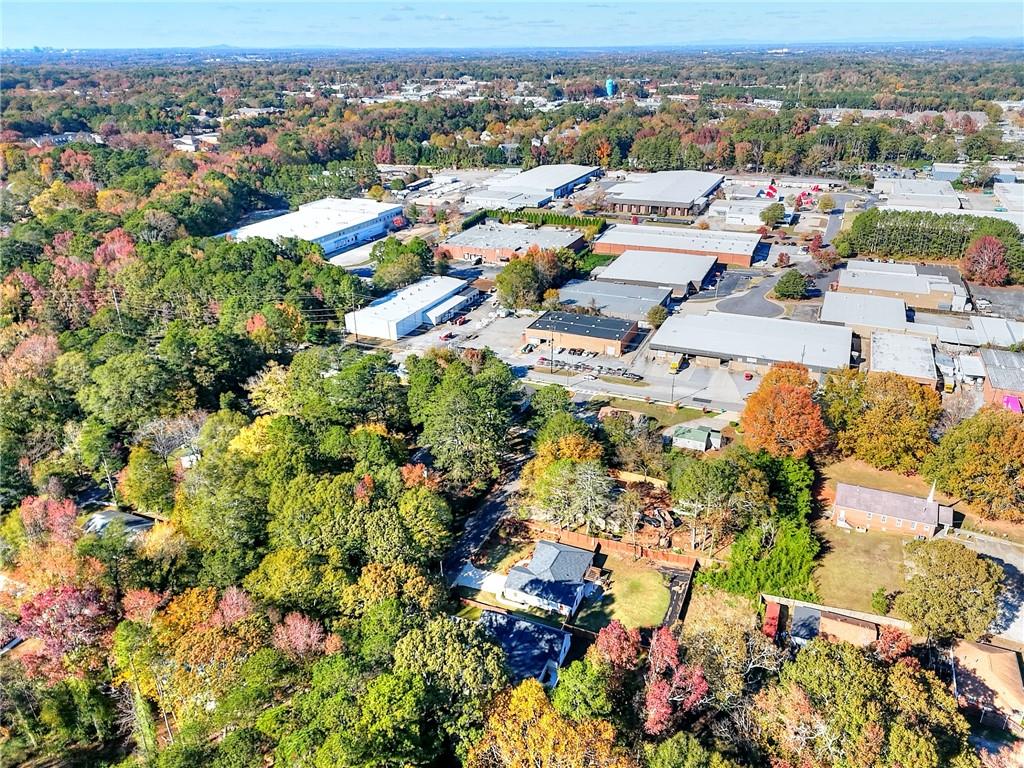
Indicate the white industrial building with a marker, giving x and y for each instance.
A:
(740, 213)
(430, 301)
(736, 248)
(682, 273)
(333, 223)
(665, 193)
(907, 355)
(535, 187)
(903, 281)
(863, 312)
(1011, 196)
(745, 342)
(918, 193)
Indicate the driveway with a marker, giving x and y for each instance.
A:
(479, 579)
(1009, 625)
(753, 302)
(482, 522)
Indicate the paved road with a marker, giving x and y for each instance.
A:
(1009, 625)
(482, 522)
(753, 302)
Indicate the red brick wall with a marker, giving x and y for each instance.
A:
(995, 396)
(614, 249)
(857, 518)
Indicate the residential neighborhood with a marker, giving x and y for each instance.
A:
(551, 385)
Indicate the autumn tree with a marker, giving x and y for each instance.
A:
(523, 728)
(147, 482)
(953, 591)
(892, 429)
(781, 416)
(982, 461)
(984, 262)
(792, 285)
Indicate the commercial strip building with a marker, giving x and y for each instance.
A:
(682, 273)
(870, 509)
(535, 187)
(736, 248)
(430, 301)
(754, 343)
(333, 223)
(626, 302)
(903, 281)
(664, 193)
(604, 335)
(495, 243)
(909, 356)
(1004, 378)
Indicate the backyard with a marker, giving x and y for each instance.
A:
(854, 565)
(637, 595)
(665, 416)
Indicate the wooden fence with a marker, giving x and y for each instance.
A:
(671, 559)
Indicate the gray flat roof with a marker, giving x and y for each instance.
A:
(864, 309)
(997, 331)
(903, 354)
(680, 239)
(754, 339)
(902, 283)
(665, 187)
(492, 235)
(668, 268)
(631, 302)
(583, 325)
(547, 178)
(1003, 369)
(866, 265)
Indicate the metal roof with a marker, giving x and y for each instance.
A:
(667, 268)
(740, 337)
(583, 325)
(318, 219)
(683, 240)
(547, 178)
(1004, 370)
(413, 299)
(864, 309)
(997, 331)
(680, 188)
(630, 302)
(881, 281)
(896, 268)
(493, 235)
(903, 354)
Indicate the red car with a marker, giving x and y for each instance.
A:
(461, 320)
(447, 336)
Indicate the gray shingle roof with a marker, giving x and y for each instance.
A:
(555, 572)
(528, 645)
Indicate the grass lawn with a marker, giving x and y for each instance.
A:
(665, 416)
(855, 565)
(709, 608)
(504, 549)
(622, 381)
(637, 596)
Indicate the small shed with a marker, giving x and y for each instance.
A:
(806, 624)
(770, 625)
(697, 438)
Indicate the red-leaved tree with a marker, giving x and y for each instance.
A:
(673, 688)
(73, 626)
(782, 417)
(985, 261)
(299, 637)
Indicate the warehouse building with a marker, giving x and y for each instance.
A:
(1006, 172)
(665, 193)
(902, 281)
(333, 223)
(533, 188)
(910, 356)
(430, 301)
(626, 302)
(747, 343)
(1011, 196)
(740, 213)
(604, 335)
(1004, 378)
(682, 273)
(495, 243)
(918, 193)
(865, 313)
(736, 248)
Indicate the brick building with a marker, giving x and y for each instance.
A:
(736, 248)
(870, 509)
(591, 333)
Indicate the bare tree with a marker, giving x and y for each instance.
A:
(166, 435)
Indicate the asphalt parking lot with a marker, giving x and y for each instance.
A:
(1003, 302)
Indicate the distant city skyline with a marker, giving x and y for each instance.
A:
(498, 25)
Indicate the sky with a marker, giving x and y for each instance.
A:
(497, 23)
